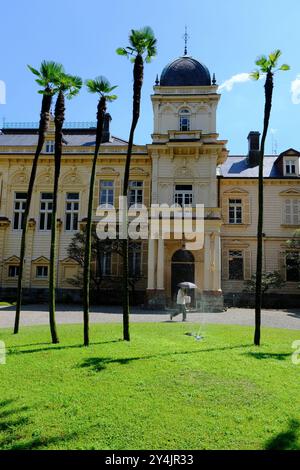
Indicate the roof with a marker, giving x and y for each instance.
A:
(30, 138)
(185, 71)
(237, 166)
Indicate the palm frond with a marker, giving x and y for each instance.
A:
(274, 56)
(255, 75)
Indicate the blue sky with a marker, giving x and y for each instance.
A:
(226, 35)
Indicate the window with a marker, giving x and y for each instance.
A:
(290, 167)
(46, 206)
(42, 271)
(72, 211)
(293, 266)
(135, 193)
(106, 192)
(19, 209)
(292, 211)
(184, 120)
(105, 263)
(183, 194)
(134, 261)
(50, 146)
(235, 211)
(13, 271)
(236, 265)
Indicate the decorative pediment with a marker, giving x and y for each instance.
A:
(239, 191)
(45, 178)
(290, 192)
(41, 260)
(69, 261)
(184, 172)
(107, 171)
(72, 178)
(19, 178)
(13, 260)
(138, 171)
(168, 108)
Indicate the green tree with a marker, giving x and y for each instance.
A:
(68, 86)
(142, 47)
(293, 253)
(47, 74)
(269, 280)
(102, 87)
(267, 65)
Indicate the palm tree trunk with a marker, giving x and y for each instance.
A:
(59, 120)
(138, 73)
(43, 129)
(259, 256)
(88, 244)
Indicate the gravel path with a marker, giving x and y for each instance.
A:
(38, 315)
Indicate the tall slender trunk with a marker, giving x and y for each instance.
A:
(59, 120)
(259, 256)
(43, 129)
(138, 74)
(88, 241)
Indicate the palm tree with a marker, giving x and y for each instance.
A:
(69, 86)
(102, 87)
(142, 47)
(267, 67)
(47, 74)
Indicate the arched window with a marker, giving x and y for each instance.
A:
(184, 120)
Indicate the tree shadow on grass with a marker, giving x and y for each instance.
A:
(288, 440)
(261, 355)
(11, 429)
(100, 363)
(54, 347)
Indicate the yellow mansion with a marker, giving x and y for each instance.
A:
(185, 163)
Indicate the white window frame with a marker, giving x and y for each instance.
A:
(106, 263)
(288, 166)
(50, 146)
(19, 211)
(136, 261)
(240, 256)
(16, 270)
(106, 189)
(184, 195)
(292, 211)
(72, 211)
(237, 205)
(44, 274)
(184, 120)
(46, 211)
(136, 189)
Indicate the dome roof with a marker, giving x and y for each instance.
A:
(185, 71)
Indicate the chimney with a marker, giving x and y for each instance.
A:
(253, 148)
(106, 132)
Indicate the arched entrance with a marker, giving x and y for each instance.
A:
(183, 269)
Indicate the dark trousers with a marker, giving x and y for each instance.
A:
(182, 309)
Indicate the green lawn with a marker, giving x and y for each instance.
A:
(163, 390)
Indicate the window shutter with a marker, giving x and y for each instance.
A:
(296, 206)
(225, 210)
(282, 264)
(247, 265)
(288, 211)
(246, 211)
(225, 264)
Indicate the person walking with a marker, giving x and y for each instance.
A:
(181, 302)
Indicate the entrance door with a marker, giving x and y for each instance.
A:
(183, 269)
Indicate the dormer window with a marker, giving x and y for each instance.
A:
(290, 167)
(184, 120)
(49, 146)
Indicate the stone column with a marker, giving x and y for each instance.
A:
(207, 264)
(151, 264)
(217, 263)
(161, 264)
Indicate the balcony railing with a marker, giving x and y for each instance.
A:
(35, 125)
